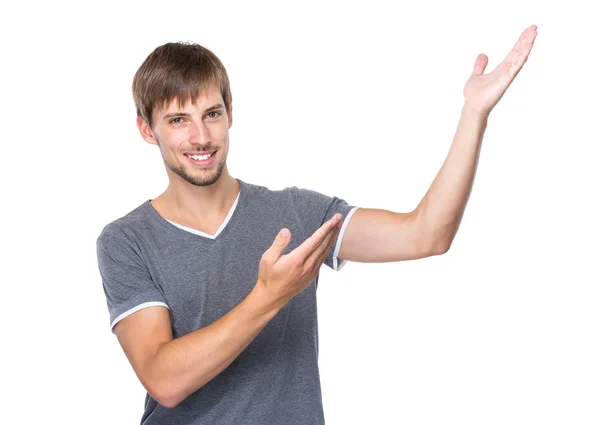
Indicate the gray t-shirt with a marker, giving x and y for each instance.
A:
(145, 260)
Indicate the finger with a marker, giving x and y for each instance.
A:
(320, 252)
(480, 64)
(520, 52)
(309, 245)
(281, 241)
(323, 246)
(318, 256)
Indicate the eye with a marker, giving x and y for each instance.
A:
(214, 112)
(176, 120)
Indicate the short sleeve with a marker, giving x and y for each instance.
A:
(126, 279)
(315, 209)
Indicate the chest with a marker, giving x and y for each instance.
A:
(203, 280)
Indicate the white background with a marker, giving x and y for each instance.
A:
(504, 328)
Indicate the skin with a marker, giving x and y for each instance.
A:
(427, 230)
(377, 235)
(196, 197)
(483, 91)
(170, 369)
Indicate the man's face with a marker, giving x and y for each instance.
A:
(185, 135)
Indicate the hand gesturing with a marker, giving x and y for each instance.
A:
(483, 91)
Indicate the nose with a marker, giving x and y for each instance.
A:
(199, 133)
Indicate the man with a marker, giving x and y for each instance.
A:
(211, 286)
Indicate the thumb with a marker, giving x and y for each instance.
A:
(480, 64)
(281, 242)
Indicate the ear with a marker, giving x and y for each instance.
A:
(230, 116)
(146, 131)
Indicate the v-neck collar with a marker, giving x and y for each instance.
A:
(189, 230)
(206, 235)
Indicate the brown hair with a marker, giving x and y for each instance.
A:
(179, 71)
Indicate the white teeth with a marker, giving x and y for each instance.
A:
(200, 157)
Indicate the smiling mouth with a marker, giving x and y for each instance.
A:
(200, 156)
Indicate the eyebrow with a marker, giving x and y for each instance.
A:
(185, 114)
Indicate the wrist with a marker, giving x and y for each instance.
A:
(261, 302)
(473, 114)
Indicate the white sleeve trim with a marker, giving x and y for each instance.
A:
(134, 309)
(338, 245)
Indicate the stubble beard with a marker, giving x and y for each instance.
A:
(201, 177)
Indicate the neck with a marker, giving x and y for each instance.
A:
(184, 202)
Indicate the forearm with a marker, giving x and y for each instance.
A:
(185, 364)
(441, 209)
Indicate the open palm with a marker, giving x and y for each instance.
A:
(483, 91)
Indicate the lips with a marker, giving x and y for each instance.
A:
(201, 163)
(200, 153)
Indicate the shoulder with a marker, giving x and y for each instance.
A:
(290, 192)
(297, 198)
(127, 226)
(263, 196)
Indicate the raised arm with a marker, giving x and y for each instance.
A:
(376, 235)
